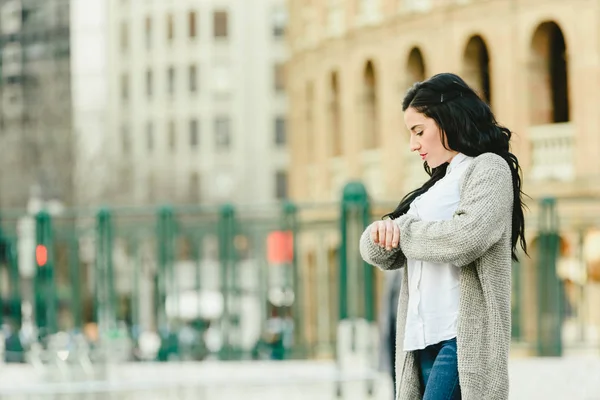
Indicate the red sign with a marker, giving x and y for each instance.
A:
(280, 247)
(41, 255)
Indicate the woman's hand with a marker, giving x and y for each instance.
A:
(385, 233)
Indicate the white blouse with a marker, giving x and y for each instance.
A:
(433, 289)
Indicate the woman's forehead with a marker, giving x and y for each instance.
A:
(412, 118)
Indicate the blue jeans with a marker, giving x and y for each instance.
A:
(438, 365)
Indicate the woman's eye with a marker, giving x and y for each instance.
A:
(419, 133)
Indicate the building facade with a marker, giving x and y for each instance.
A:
(537, 63)
(35, 112)
(197, 104)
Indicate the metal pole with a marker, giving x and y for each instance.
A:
(135, 295)
(45, 285)
(354, 215)
(76, 301)
(549, 322)
(227, 258)
(105, 282)
(166, 274)
(290, 223)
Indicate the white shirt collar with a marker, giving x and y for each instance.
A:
(456, 161)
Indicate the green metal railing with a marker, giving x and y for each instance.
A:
(45, 285)
(355, 216)
(134, 266)
(550, 293)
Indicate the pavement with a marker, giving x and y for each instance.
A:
(569, 378)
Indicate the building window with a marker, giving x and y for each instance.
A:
(194, 133)
(220, 24)
(280, 131)
(279, 21)
(170, 28)
(192, 24)
(193, 78)
(171, 80)
(124, 36)
(172, 136)
(125, 139)
(221, 79)
(148, 32)
(334, 116)
(194, 188)
(150, 136)
(278, 78)
(149, 79)
(125, 87)
(222, 133)
(281, 185)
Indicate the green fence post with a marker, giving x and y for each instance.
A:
(4, 258)
(550, 293)
(226, 231)
(135, 295)
(8, 299)
(166, 252)
(516, 301)
(354, 219)
(45, 287)
(105, 282)
(76, 301)
(197, 242)
(15, 282)
(290, 224)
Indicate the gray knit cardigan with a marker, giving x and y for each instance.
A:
(478, 240)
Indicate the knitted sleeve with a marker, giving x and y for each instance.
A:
(378, 256)
(483, 215)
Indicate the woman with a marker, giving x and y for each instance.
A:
(457, 235)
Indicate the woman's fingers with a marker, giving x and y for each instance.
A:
(382, 230)
(389, 233)
(396, 236)
(375, 232)
(386, 234)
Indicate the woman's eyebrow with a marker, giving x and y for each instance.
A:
(415, 126)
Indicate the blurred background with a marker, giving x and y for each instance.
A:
(183, 184)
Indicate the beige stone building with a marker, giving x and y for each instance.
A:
(537, 62)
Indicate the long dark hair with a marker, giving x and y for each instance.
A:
(470, 128)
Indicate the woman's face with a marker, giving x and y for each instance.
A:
(425, 139)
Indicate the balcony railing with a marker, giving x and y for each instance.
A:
(552, 152)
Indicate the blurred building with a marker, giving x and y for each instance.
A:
(352, 62)
(36, 157)
(536, 62)
(197, 104)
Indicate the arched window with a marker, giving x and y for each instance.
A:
(415, 67)
(476, 67)
(370, 125)
(548, 76)
(334, 116)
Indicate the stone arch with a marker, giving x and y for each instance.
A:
(548, 76)
(334, 112)
(415, 67)
(476, 67)
(370, 107)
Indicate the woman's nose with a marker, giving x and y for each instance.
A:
(414, 144)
